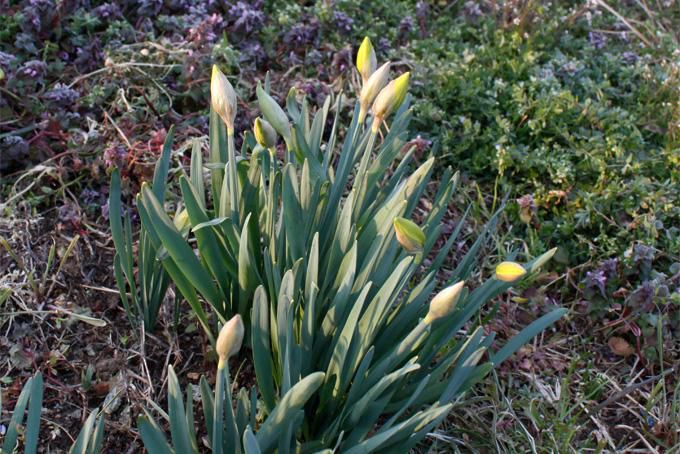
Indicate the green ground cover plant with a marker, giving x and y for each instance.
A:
(577, 112)
(581, 131)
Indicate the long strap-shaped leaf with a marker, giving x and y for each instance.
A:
(160, 173)
(185, 287)
(90, 438)
(290, 403)
(216, 259)
(179, 431)
(178, 249)
(250, 443)
(123, 259)
(527, 334)
(17, 417)
(218, 156)
(152, 435)
(398, 431)
(33, 420)
(261, 348)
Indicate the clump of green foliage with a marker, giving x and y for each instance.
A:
(315, 249)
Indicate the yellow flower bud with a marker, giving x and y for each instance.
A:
(444, 302)
(223, 98)
(366, 59)
(264, 133)
(181, 220)
(509, 271)
(409, 235)
(229, 340)
(371, 89)
(274, 113)
(389, 99)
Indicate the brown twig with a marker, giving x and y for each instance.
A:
(629, 389)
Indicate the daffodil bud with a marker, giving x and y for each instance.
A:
(229, 340)
(223, 98)
(444, 302)
(389, 99)
(264, 133)
(509, 271)
(371, 89)
(274, 113)
(409, 235)
(543, 259)
(366, 59)
(181, 220)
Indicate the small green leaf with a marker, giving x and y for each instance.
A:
(289, 404)
(179, 431)
(250, 442)
(152, 436)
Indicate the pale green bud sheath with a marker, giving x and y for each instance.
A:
(371, 88)
(389, 99)
(264, 133)
(274, 115)
(181, 220)
(543, 259)
(229, 340)
(266, 136)
(223, 98)
(409, 235)
(366, 60)
(444, 302)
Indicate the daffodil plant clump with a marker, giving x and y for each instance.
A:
(303, 246)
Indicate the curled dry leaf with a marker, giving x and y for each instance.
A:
(619, 346)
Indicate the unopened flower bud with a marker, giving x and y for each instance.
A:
(409, 235)
(444, 302)
(509, 271)
(371, 89)
(366, 59)
(181, 220)
(274, 113)
(229, 340)
(389, 99)
(265, 135)
(543, 259)
(223, 98)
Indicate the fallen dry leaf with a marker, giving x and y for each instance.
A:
(620, 346)
(101, 389)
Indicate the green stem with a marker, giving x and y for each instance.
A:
(271, 202)
(218, 415)
(361, 179)
(233, 180)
